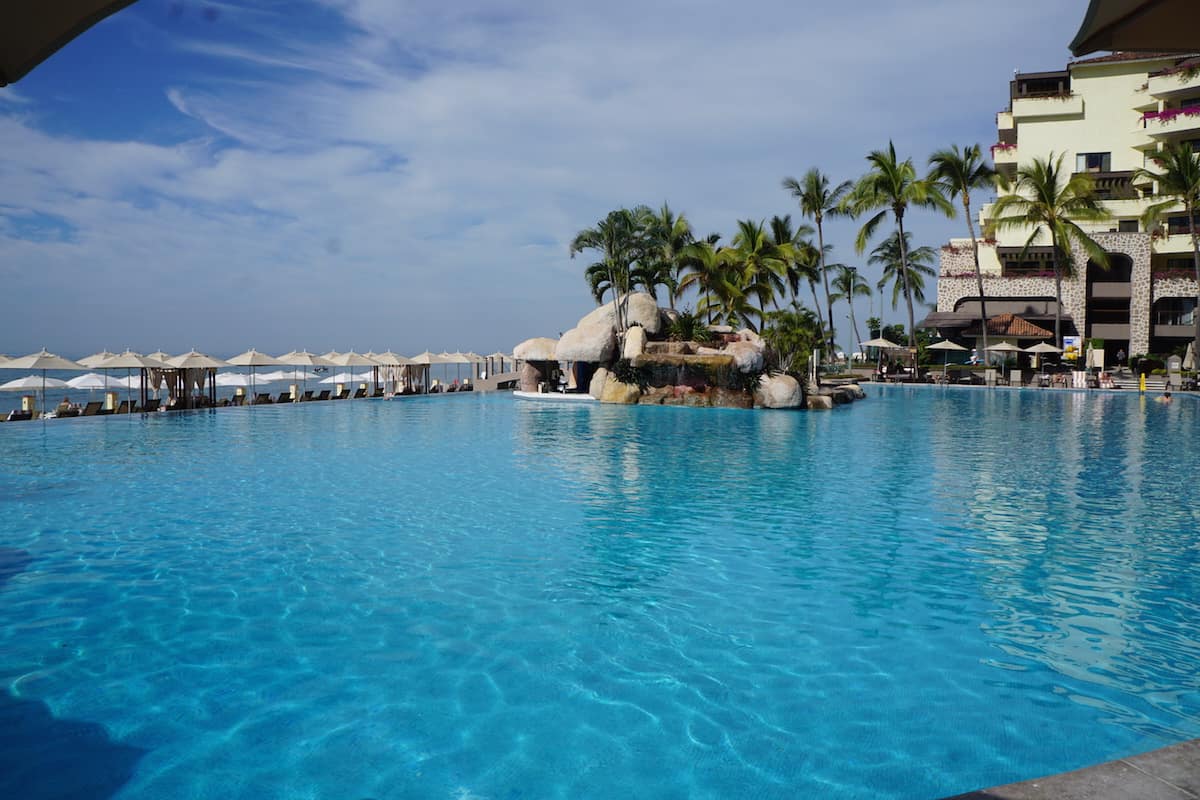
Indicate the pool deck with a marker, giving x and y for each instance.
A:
(1172, 773)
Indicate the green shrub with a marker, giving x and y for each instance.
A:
(688, 327)
(624, 371)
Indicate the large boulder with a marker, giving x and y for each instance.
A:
(635, 342)
(747, 335)
(596, 386)
(616, 392)
(819, 402)
(537, 349)
(594, 344)
(639, 309)
(747, 356)
(778, 391)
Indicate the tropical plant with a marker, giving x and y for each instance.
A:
(848, 284)
(705, 267)
(790, 336)
(1045, 195)
(688, 327)
(759, 268)
(624, 370)
(907, 283)
(619, 240)
(804, 263)
(818, 201)
(668, 234)
(874, 324)
(960, 171)
(1179, 179)
(893, 185)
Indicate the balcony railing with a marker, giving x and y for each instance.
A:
(1004, 153)
(1050, 105)
(1114, 185)
(1171, 120)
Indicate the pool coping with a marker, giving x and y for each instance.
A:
(1169, 773)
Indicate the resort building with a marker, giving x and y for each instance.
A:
(1107, 116)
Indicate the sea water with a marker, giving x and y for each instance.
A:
(932, 590)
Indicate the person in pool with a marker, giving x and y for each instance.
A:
(1164, 398)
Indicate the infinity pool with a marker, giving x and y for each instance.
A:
(930, 591)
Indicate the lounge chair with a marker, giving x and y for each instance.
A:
(263, 399)
(342, 395)
(20, 416)
(127, 407)
(378, 392)
(324, 395)
(284, 397)
(307, 396)
(151, 405)
(360, 394)
(91, 409)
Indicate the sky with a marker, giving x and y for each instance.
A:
(381, 174)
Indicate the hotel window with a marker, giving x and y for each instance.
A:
(1127, 225)
(1093, 162)
(1175, 311)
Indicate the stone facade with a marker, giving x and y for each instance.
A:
(957, 281)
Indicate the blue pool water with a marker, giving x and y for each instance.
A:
(472, 597)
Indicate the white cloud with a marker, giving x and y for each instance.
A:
(412, 179)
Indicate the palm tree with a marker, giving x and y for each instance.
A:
(805, 262)
(1179, 180)
(892, 185)
(704, 266)
(849, 285)
(817, 201)
(618, 239)
(761, 265)
(1045, 195)
(909, 283)
(960, 171)
(668, 235)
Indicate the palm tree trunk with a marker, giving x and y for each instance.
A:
(817, 305)
(616, 290)
(978, 273)
(1191, 212)
(912, 324)
(825, 278)
(1057, 294)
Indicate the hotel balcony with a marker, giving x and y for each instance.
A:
(1113, 185)
(1174, 83)
(1120, 291)
(1004, 154)
(1171, 122)
(1046, 106)
(1004, 121)
(1174, 331)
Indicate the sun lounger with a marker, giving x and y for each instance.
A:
(263, 399)
(378, 392)
(91, 409)
(307, 396)
(361, 393)
(324, 395)
(342, 395)
(20, 416)
(151, 405)
(127, 407)
(284, 397)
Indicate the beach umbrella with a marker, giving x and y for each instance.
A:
(1151, 26)
(95, 359)
(304, 359)
(253, 359)
(393, 361)
(90, 381)
(882, 344)
(42, 360)
(33, 383)
(130, 360)
(195, 360)
(1189, 356)
(947, 346)
(343, 377)
(1004, 347)
(352, 359)
(1042, 347)
(427, 359)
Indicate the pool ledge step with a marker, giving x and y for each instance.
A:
(1171, 773)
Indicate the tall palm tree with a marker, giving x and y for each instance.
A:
(893, 185)
(818, 201)
(961, 170)
(668, 234)
(618, 239)
(805, 262)
(762, 264)
(1047, 196)
(704, 267)
(909, 283)
(1179, 179)
(848, 284)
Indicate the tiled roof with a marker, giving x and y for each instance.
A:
(1012, 325)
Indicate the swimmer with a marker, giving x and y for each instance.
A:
(1165, 398)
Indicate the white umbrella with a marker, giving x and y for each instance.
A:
(128, 361)
(1041, 347)
(1004, 347)
(344, 377)
(195, 360)
(33, 383)
(253, 359)
(94, 360)
(304, 359)
(42, 360)
(236, 379)
(946, 345)
(89, 381)
(1189, 356)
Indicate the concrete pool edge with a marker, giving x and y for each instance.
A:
(1169, 773)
